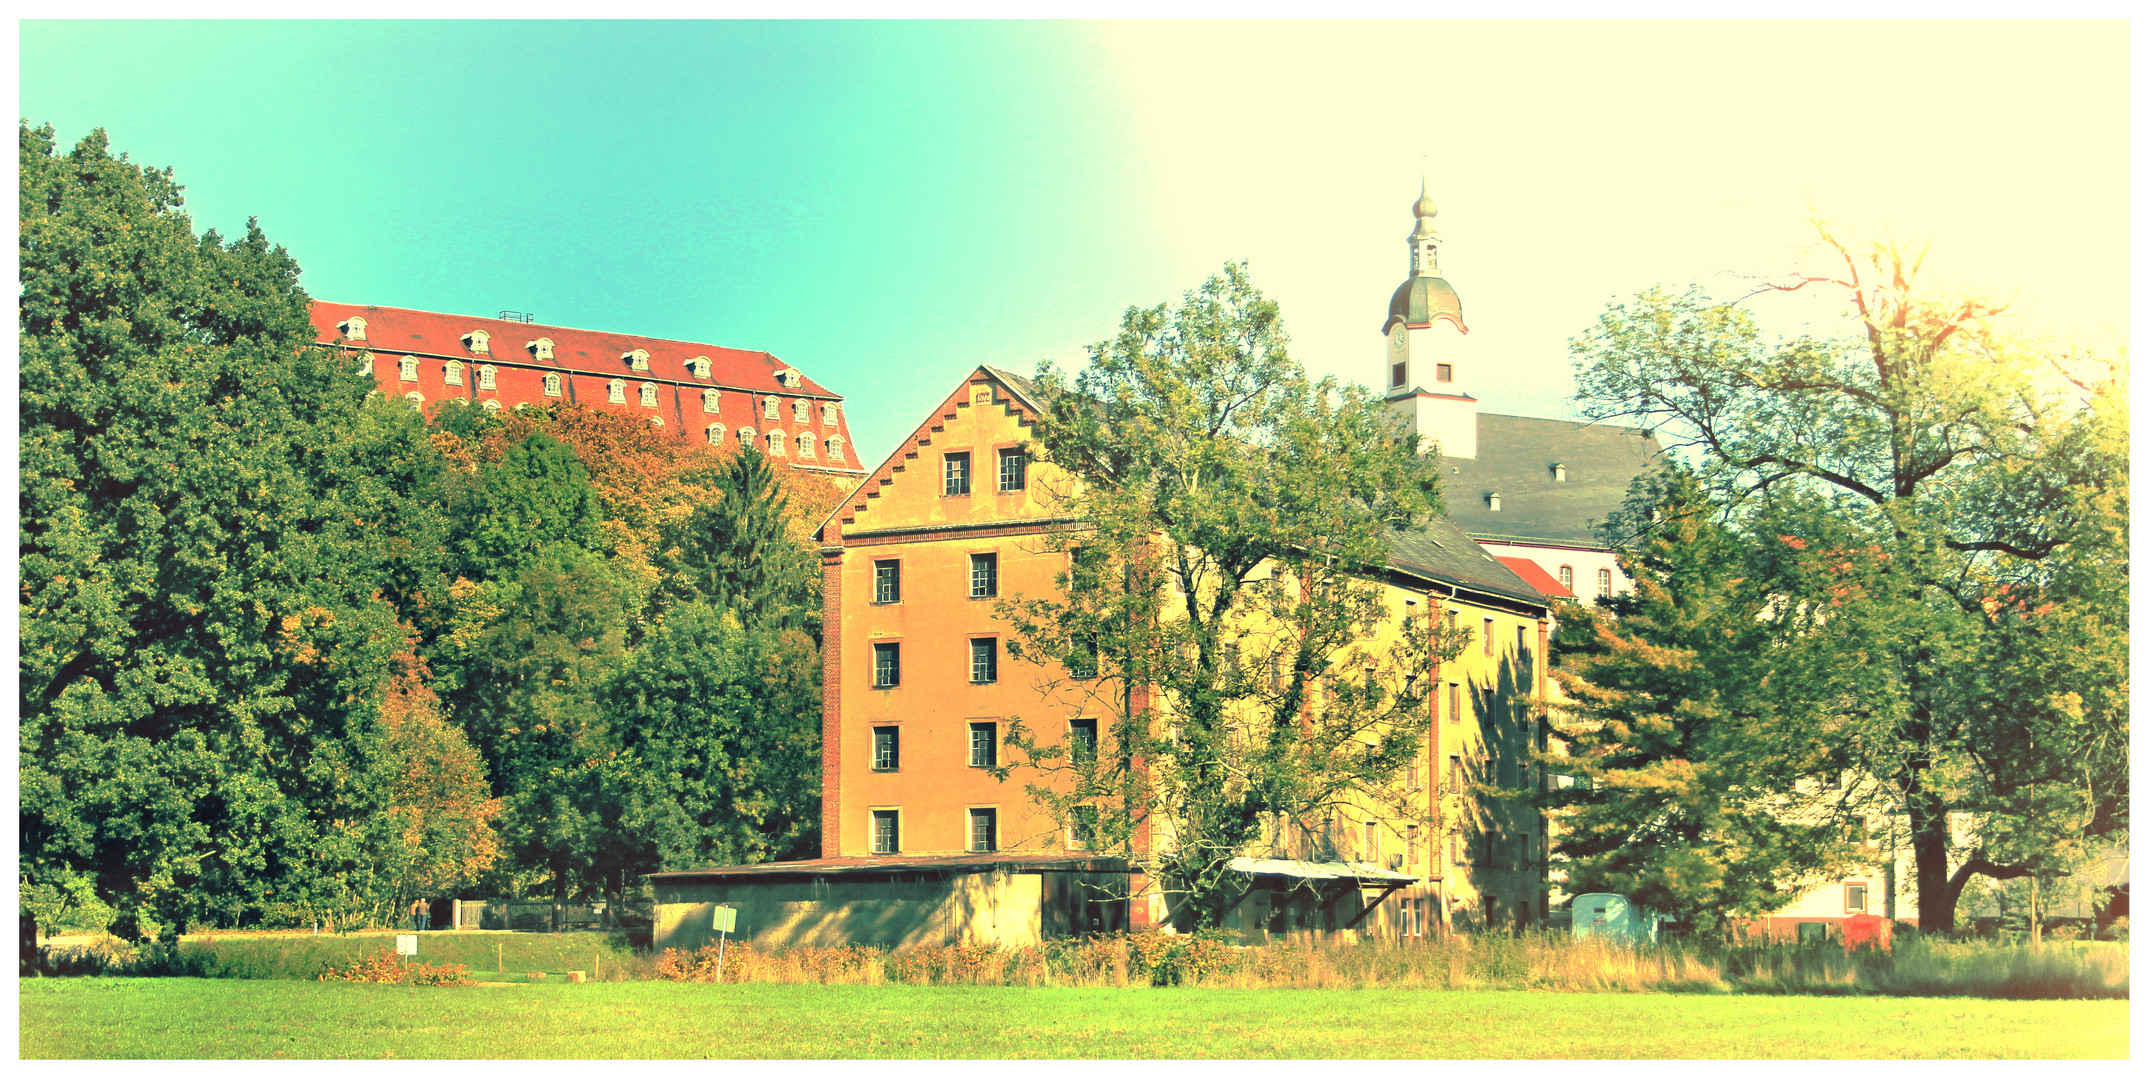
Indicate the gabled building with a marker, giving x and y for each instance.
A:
(706, 392)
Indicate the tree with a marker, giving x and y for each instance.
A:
(1967, 454)
(1220, 604)
(206, 548)
(738, 553)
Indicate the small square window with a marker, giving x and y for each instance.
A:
(1014, 467)
(887, 665)
(984, 745)
(1854, 897)
(1082, 739)
(1444, 373)
(884, 832)
(984, 660)
(984, 833)
(984, 576)
(887, 581)
(885, 750)
(955, 474)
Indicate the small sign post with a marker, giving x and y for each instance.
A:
(727, 920)
(406, 944)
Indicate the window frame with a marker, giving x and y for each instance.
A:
(1566, 576)
(889, 737)
(407, 369)
(893, 669)
(715, 433)
(836, 447)
(894, 593)
(973, 816)
(451, 373)
(874, 833)
(778, 441)
(1605, 582)
(712, 400)
(985, 753)
(1080, 749)
(989, 563)
(552, 384)
(955, 472)
(616, 391)
(990, 654)
(1003, 457)
(1444, 373)
(1860, 909)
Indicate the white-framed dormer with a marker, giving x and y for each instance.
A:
(407, 369)
(776, 442)
(828, 414)
(637, 360)
(649, 395)
(353, 328)
(616, 391)
(836, 448)
(698, 366)
(769, 406)
(485, 377)
(479, 343)
(788, 377)
(416, 399)
(710, 400)
(452, 373)
(552, 384)
(541, 348)
(715, 433)
(365, 362)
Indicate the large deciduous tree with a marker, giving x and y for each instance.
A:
(1222, 593)
(1984, 470)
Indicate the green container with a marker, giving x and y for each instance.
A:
(1610, 916)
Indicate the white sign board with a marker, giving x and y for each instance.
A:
(406, 944)
(727, 919)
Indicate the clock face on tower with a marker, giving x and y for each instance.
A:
(1398, 353)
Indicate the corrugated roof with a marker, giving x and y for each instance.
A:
(980, 862)
(1516, 455)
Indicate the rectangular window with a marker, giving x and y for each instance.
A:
(887, 665)
(884, 832)
(1854, 897)
(1082, 826)
(984, 576)
(984, 745)
(983, 835)
(1082, 739)
(1522, 643)
(1372, 851)
(887, 581)
(1410, 845)
(1444, 373)
(1455, 849)
(1082, 658)
(1395, 375)
(1455, 702)
(1410, 776)
(955, 474)
(1567, 578)
(1605, 582)
(984, 660)
(885, 757)
(1014, 467)
(1455, 774)
(1485, 640)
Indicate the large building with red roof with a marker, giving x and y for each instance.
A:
(707, 392)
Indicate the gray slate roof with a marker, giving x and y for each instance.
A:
(1516, 455)
(1439, 551)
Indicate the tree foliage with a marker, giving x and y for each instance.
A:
(1222, 593)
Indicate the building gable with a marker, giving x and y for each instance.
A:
(982, 417)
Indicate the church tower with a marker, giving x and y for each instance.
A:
(1426, 369)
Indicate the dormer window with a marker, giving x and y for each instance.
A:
(541, 348)
(828, 414)
(788, 377)
(836, 448)
(407, 369)
(649, 395)
(452, 373)
(746, 436)
(715, 433)
(806, 444)
(1560, 473)
(353, 328)
(709, 400)
(616, 392)
(776, 444)
(485, 377)
(478, 342)
(699, 366)
(552, 384)
(801, 410)
(1493, 502)
(638, 360)
(768, 407)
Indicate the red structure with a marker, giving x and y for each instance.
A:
(707, 392)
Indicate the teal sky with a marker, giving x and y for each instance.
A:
(886, 205)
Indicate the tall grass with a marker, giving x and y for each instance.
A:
(308, 956)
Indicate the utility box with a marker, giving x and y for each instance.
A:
(1610, 916)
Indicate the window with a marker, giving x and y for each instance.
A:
(836, 448)
(485, 377)
(1082, 739)
(1560, 473)
(710, 399)
(552, 384)
(1410, 845)
(649, 395)
(1082, 826)
(885, 749)
(982, 831)
(616, 392)
(1485, 640)
(887, 581)
(654, 421)
(955, 474)
(492, 405)
(1013, 465)
(984, 660)
(1455, 849)
(1372, 851)
(452, 373)
(828, 414)
(1455, 702)
(746, 437)
(541, 348)
(637, 360)
(699, 366)
(1854, 897)
(984, 745)
(407, 369)
(1567, 578)
(716, 434)
(1395, 375)
(776, 444)
(806, 444)
(1605, 582)
(478, 341)
(354, 328)
(1082, 658)
(768, 407)
(887, 664)
(884, 832)
(1522, 643)
(788, 377)
(1455, 774)
(1444, 373)
(984, 576)
(415, 398)
(1493, 502)
(801, 410)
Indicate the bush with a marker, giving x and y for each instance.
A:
(387, 967)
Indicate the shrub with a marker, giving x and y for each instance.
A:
(387, 967)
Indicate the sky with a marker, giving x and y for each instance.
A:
(886, 205)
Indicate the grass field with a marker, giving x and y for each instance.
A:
(210, 1018)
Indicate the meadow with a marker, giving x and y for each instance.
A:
(171, 1018)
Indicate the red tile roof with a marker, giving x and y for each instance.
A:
(588, 361)
(1534, 574)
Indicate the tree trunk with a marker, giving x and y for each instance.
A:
(1929, 852)
(2036, 937)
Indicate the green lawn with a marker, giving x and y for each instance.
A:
(211, 1018)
